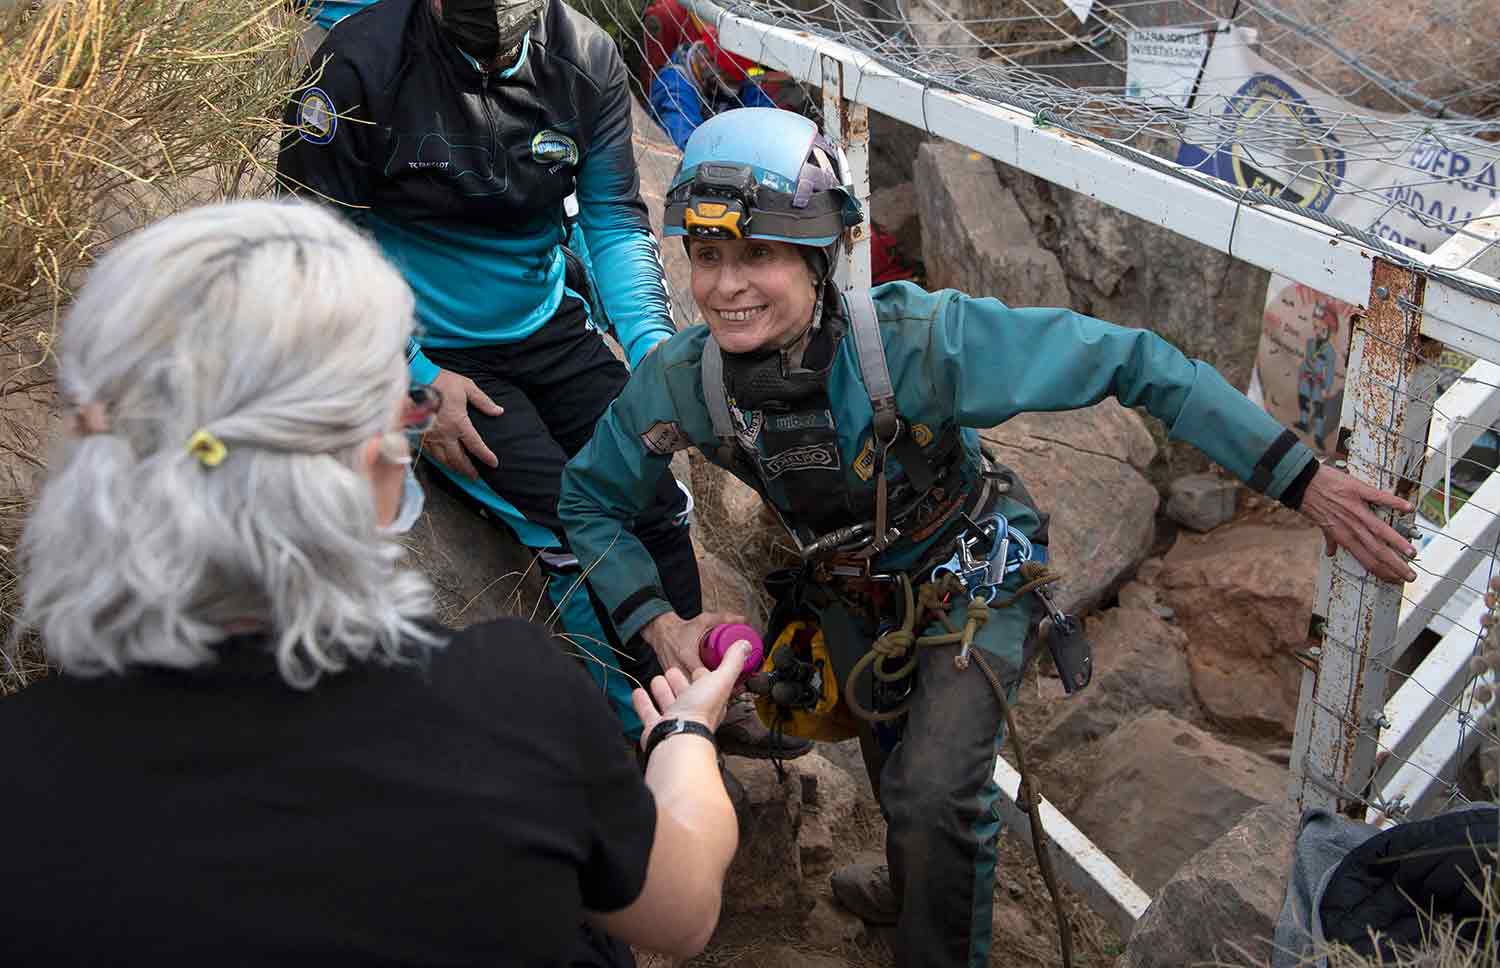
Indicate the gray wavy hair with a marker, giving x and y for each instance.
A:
(281, 331)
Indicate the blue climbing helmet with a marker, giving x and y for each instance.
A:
(763, 173)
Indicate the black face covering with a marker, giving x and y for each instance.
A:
(796, 442)
(757, 380)
(485, 28)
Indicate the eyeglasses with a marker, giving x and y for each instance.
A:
(423, 401)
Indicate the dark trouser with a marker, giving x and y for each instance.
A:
(941, 802)
(555, 386)
(937, 788)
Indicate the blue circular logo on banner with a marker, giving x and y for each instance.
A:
(1281, 146)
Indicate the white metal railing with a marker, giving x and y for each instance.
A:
(1391, 423)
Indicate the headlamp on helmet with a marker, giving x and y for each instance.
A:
(720, 201)
(760, 173)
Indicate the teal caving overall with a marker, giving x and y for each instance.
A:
(821, 443)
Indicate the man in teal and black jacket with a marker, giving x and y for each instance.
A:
(455, 132)
(854, 417)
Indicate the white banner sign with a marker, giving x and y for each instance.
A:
(1318, 151)
(1162, 63)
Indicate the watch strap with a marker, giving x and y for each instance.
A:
(670, 727)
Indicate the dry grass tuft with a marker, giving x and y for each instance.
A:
(112, 113)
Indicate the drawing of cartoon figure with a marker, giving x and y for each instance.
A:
(1315, 377)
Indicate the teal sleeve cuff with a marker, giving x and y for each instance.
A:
(644, 343)
(1288, 468)
(640, 617)
(423, 370)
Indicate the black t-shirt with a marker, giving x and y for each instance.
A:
(462, 812)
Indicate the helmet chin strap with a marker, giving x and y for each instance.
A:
(792, 352)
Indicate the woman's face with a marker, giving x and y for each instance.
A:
(753, 294)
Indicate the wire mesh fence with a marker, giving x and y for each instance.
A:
(1360, 121)
(1428, 723)
(1380, 124)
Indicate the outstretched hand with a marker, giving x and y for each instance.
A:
(703, 700)
(1341, 507)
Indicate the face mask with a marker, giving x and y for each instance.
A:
(413, 499)
(485, 28)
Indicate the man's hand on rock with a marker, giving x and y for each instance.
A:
(1341, 507)
(675, 640)
(453, 437)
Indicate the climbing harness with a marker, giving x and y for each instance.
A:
(798, 692)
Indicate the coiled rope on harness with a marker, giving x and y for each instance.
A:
(901, 644)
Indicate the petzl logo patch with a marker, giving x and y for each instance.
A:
(554, 149)
(664, 438)
(316, 118)
(815, 457)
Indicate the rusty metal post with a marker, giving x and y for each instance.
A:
(847, 124)
(1387, 406)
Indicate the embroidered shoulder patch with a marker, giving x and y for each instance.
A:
(554, 148)
(665, 437)
(316, 118)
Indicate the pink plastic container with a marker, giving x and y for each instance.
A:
(720, 638)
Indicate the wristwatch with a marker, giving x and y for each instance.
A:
(676, 727)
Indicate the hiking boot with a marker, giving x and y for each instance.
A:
(864, 890)
(742, 734)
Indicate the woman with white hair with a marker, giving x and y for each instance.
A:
(259, 748)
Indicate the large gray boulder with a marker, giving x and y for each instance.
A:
(1140, 665)
(1165, 789)
(788, 833)
(726, 589)
(656, 159)
(1084, 468)
(1128, 271)
(1243, 595)
(975, 238)
(1221, 906)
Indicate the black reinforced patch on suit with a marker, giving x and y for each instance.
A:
(634, 601)
(1260, 477)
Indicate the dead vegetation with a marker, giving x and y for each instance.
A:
(112, 113)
